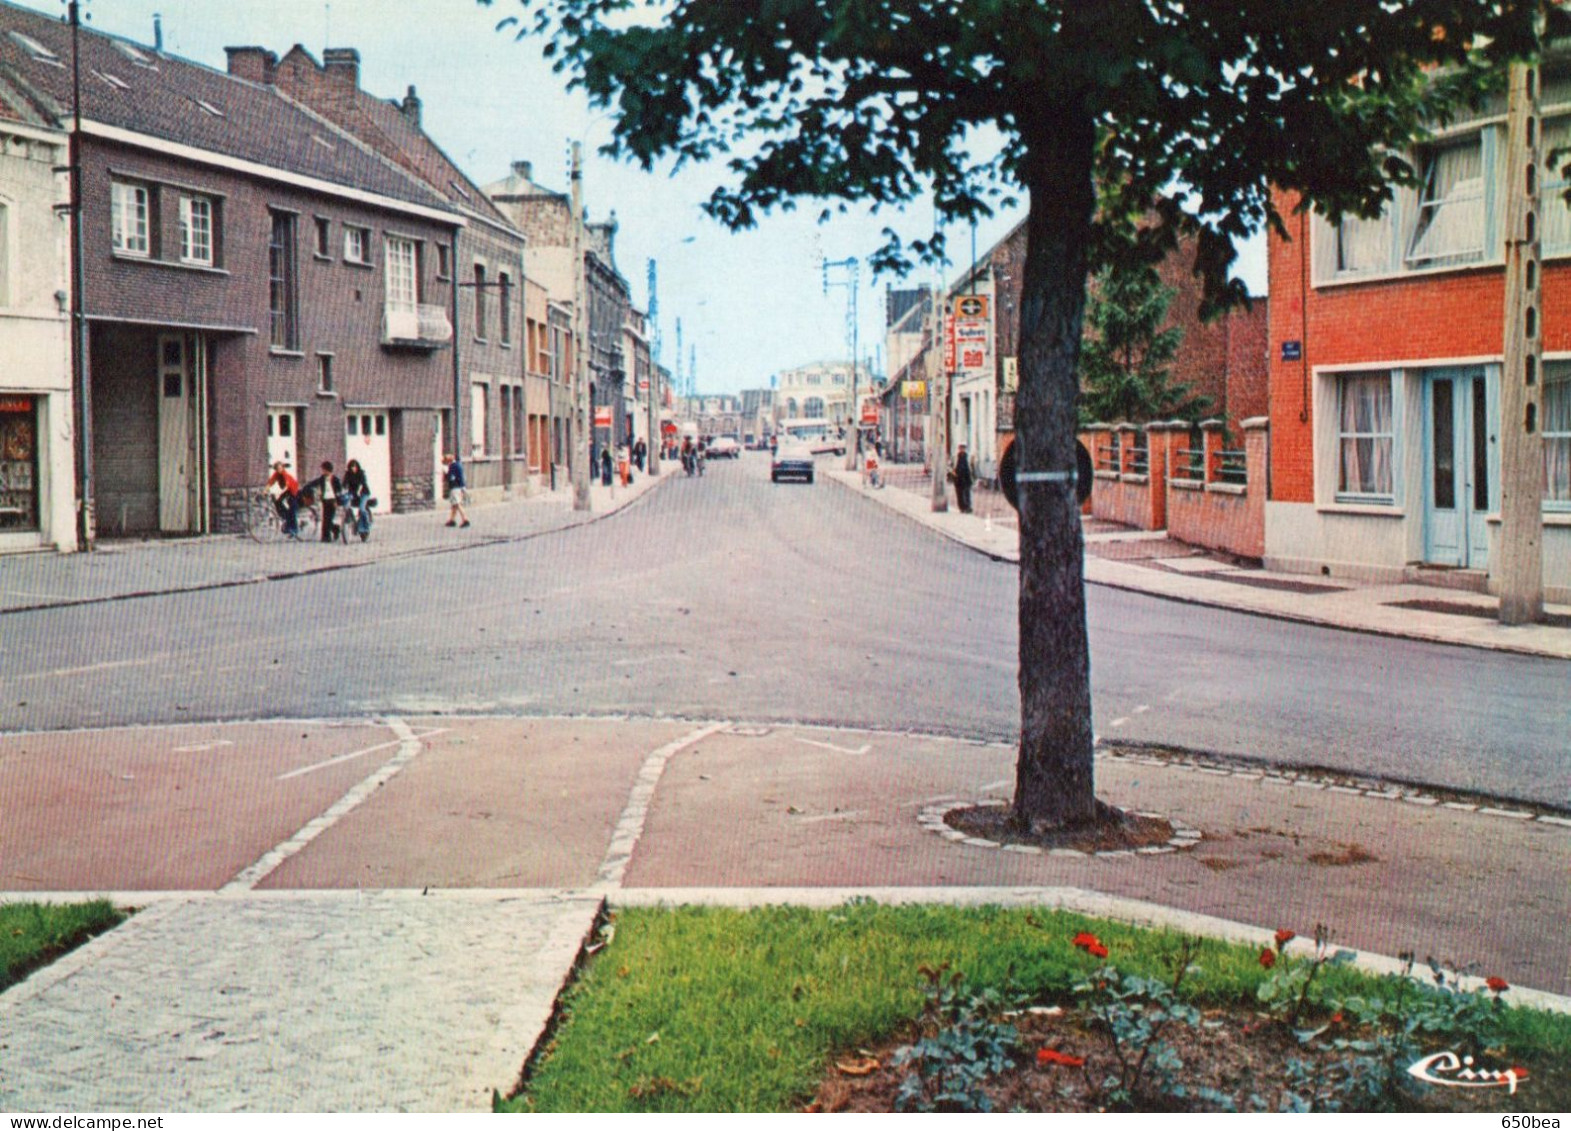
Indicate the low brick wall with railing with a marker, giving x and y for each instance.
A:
(1154, 478)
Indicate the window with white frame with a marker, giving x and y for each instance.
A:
(1450, 221)
(479, 392)
(196, 230)
(128, 210)
(403, 274)
(1557, 434)
(356, 245)
(1555, 215)
(1365, 437)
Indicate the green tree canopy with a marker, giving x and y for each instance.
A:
(1128, 348)
(1193, 108)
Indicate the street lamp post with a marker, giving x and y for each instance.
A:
(580, 437)
(850, 282)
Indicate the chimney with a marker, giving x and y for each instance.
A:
(411, 106)
(524, 170)
(254, 64)
(158, 32)
(342, 64)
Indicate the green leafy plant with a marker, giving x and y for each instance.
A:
(1134, 1012)
(961, 1048)
(1287, 991)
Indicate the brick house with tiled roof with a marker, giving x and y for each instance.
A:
(492, 336)
(258, 285)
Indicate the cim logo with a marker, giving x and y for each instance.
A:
(1452, 1071)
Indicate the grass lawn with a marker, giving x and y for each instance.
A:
(35, 934)
(712, 1009)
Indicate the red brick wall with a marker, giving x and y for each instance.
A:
(1439, 316)
(1248, 362)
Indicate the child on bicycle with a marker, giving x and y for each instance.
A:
(357, 496)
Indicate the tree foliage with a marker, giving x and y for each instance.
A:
(1128, 349)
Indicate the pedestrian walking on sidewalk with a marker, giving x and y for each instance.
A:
(640, 451)
(963, 479)
(457, 491)
(605, 467)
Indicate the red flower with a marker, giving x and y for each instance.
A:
(1336, 1018)
(1497, 985)
(1283, 937)
(1268, 958)
(1097, 950)
(1045, 1057)
(1086, 941)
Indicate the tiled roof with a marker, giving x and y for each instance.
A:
(131, 87)
(386, 128)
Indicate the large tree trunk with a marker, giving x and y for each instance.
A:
(1053, 778)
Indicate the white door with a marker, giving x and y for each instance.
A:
(177, 466)
(283, 435)
(366, 439)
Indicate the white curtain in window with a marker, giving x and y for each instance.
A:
(1451, 208)
(1557, 433)
(1555, 224)
(1365, 433)
(403, 292)
(1363, 245)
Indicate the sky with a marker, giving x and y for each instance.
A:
(751, 303)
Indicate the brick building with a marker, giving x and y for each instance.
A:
(1386, 342)
(258, 285)
(545, 217)
(490, 340)
(1223, 360)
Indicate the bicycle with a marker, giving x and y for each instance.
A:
(357, 509)
(264, 521)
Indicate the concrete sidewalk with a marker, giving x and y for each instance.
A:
(1150, 562)
(123, 568)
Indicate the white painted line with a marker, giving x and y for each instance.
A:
(352, 755)
(863, 749)
(658, 658)
(631, 824)
(408, 748)
(108, 665)
(1142, 709)
(1120, 722)
(202, 747)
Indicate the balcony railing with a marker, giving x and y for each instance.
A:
(415, 326)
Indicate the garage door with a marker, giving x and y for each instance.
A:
(366, 439)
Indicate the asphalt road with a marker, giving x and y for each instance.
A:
(729, 596)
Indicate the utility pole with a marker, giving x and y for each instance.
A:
(938, 391)
(580, 439)
(86, 524)
(655, 436)
(852, 284)
(1521, 567)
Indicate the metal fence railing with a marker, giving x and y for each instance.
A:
(1231, 467)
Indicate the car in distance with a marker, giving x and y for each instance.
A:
(724, 447)
(792, 460)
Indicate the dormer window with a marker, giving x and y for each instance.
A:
(323, 142)
(459, 189)
(113, 80)
(140, 58)
(208, 108)
(36, 49)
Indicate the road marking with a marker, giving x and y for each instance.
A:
(200, 747)
(631, 824)
(408, 748)
(659, 657)
(863, 749)
(1142, 709)
(103, 667)
(1120, 722)
(352, 755)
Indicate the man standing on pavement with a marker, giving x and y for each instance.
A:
(327, 487)
(963, 479)
(457, 494)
